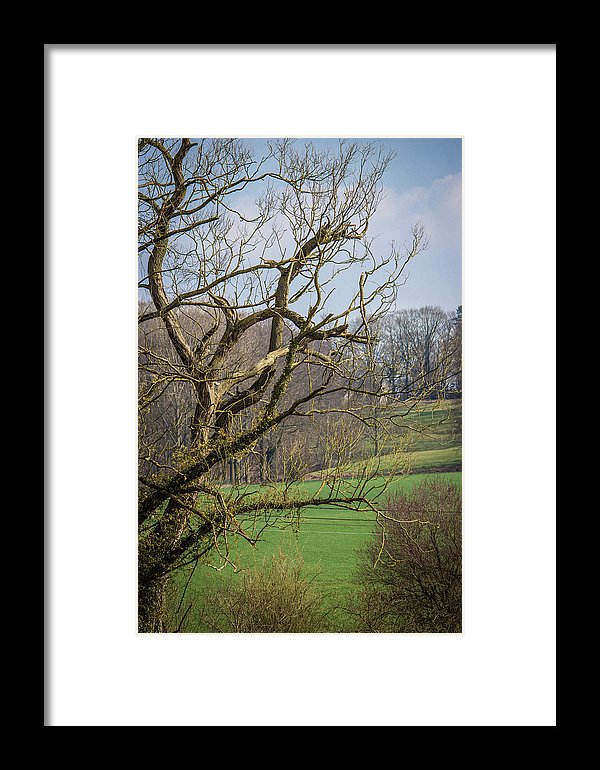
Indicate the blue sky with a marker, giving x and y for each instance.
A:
(423, 183)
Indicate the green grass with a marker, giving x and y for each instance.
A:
(327, 538)
(419, 461)
(429, 424)
(436, 458)
(432, 432)
(432, 425)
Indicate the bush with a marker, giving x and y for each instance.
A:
(410, 575)
(274, 598)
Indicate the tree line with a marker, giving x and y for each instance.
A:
(416, 355)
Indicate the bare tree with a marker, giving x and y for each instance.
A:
(419, 351)
(410, 574)
(231, 244)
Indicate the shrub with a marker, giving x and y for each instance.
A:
(274, 598)
(410, 574)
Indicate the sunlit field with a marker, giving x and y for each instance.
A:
(326, 538)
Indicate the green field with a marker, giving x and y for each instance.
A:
(326, 537)
(430, 433)
(420, 461)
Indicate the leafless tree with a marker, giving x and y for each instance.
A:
(410, 574)
(231, 245)
(419, 351)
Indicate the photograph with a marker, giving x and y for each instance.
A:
(300, 391)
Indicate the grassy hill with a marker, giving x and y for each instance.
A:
(431, 433)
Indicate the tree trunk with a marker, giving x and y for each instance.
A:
(152, 605)
(158, 551)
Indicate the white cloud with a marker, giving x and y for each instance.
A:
(434, 276)
(438, 207)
